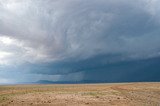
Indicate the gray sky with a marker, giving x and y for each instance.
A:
(71, 40)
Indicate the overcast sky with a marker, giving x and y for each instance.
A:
(74, 40)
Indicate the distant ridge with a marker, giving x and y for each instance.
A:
(69, 82)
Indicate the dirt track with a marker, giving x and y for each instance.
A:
(131, 94)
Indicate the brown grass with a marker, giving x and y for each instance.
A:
(131, 94)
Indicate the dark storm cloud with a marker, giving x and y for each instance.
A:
(79, 28)
(98, 69)
(65, 67)
(69, 36)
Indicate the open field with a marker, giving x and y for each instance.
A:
(124, 94)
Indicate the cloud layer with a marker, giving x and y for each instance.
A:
(58, 37)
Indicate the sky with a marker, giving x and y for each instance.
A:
(77, 40)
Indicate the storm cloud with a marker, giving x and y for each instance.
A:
(67, 38)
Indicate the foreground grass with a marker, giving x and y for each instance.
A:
(147, 94)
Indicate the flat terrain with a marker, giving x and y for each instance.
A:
(122, 94)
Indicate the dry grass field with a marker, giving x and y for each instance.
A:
(122, 94)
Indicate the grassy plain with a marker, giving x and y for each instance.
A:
(119, 94)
